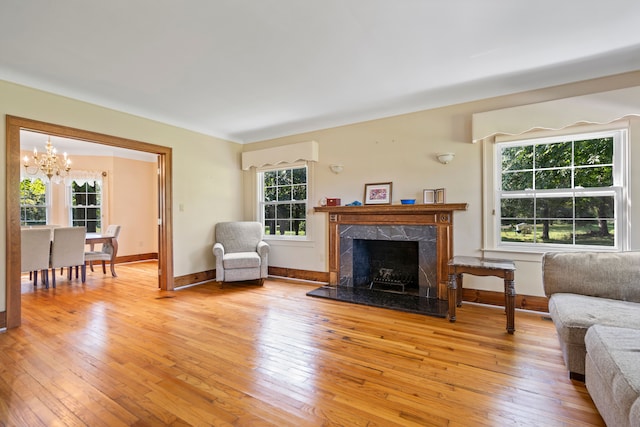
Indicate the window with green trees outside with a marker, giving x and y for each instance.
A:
(562, 191)
(86, 206)
(283, 201)
(33, 202)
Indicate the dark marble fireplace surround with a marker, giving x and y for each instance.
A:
(359, 265)
(419, 297)
(352, 228)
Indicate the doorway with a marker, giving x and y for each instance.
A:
(165, 243)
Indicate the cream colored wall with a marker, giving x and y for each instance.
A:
(402, 149)
(207, 179)
(134, 188)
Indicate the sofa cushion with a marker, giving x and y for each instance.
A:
(614, 275)
(613, 373)
(573, 314)
(241, 260)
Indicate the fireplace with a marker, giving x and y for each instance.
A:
(429, 226)
(393, 258)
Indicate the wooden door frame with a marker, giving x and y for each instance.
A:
(165, 220)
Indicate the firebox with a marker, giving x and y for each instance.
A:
(396, 258)
(386, 265)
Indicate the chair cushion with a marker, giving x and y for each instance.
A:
(241, 260)
(97, 256)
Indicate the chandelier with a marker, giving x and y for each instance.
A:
(49, 163)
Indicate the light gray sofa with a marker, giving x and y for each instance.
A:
(594, 302)
(585, 288)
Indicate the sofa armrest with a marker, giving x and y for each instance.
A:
(263, 251)
(614, 275)
(218, 251)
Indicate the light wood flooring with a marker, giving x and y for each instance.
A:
(117, 351)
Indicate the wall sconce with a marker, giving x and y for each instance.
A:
(445, 158)
(336, 168)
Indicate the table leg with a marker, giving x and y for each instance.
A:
(459, 289)
(510, 302)
(452, 295)
(114, 243)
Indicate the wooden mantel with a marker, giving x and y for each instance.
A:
(439, 215)
(394, 209)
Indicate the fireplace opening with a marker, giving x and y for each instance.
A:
(386, 265)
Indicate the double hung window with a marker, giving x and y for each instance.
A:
(282, 201)
(34, 195)
(86, 205)
(567, 191)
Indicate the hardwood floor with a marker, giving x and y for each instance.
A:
(117, 351)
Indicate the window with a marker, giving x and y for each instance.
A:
(563, 191)
(283, 201)
(33, 202)
(86, 204)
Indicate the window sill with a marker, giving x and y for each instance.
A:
(534, 254)
(288, 242)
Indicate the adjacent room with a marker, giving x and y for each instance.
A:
(328, 213)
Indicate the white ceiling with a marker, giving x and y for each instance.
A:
(248, 70)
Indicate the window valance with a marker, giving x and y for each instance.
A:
(81, 177)
(307, 151)
(598, 108)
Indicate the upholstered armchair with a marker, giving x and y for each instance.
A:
(240, 252)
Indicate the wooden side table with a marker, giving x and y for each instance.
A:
(503, 268)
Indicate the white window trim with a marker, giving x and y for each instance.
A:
(260, 197)
(69, 194)
(491, 192)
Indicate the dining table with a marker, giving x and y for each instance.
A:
(94, 238)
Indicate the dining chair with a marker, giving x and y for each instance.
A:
(49, 227)
(67, 250)
(35, 244)
(106, 252)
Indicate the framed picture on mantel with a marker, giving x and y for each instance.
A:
(428, 196)
(378, 194)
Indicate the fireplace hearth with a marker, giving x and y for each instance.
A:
(390, 300)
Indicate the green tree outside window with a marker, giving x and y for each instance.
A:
(33, 202)
(560, 192)
(284, 201)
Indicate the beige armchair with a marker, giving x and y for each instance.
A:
(35, 244)
(240, 252)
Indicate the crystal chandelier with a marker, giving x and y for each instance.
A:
(49, 163)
